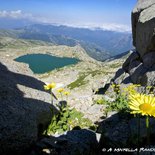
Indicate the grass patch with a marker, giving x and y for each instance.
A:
(115, 65)
(81, 79)
(79, 82)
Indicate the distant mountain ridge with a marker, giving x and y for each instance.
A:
(98, 44)
(110, 41)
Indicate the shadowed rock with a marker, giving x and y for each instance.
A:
(24, 112)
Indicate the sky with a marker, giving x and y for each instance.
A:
(79, 13)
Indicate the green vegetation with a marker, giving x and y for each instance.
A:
(121, 101)
(101, 101)
(122, 97)
(66, 120)
(7, 42)
(79, 82)
(120, 104)
(95, 72)
(81, 79)
(115, 65)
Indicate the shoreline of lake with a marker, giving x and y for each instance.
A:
(42, 63)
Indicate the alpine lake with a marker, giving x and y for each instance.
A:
(42, 63)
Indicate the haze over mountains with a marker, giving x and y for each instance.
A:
(98, 43)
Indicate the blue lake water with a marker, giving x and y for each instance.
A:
(42, 63)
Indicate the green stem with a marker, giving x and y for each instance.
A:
(138, 133)
(61, 97)
(148, 130)
(51, 97)
(67, 98)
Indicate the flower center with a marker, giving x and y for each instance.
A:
(145, 107)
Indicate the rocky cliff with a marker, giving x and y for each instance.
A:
(139, 68)
(24, 107)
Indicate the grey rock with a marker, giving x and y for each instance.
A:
(134, 56)
(80, 141)
(136, 76)
(113, 118)
(145, 31)
(120, 131)
(140, 6)
(143, 24)
(95, 109)
(149, 77)
(114, 132)
(139, 65)
(143, 131)
(75, 142)
(133, 66)
(112, 113)
(119, 76)
(24, 112)
(126, 81)
(149, 60)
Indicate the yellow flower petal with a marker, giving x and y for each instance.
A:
(66, 93)
(141, 103)
(49, 86)
(60, 90)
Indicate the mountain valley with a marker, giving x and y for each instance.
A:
(98, 44)
(80, 79)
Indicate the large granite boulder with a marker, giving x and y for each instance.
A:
(143, 25)
(24, 108)
(140, 64)
(120, 131)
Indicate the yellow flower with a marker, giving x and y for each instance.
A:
(148, 87)
(151, 93)
(66, 93)
(113, 85)
(153, 112)
(60, 90)
(130, 89)
(142, 104)
(137, 85)
(49, 86)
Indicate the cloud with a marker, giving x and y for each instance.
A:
(104, 26)
(116, 27)
(17, 14)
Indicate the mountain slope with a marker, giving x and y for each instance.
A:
(109, 41)
(17, 47)
(98, 44)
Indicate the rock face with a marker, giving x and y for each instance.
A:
(140, 66)
(24, 108)
(120, 131)
(143, 25)
(75, 142)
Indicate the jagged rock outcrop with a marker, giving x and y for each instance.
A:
(140, 65)
(24, 108)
